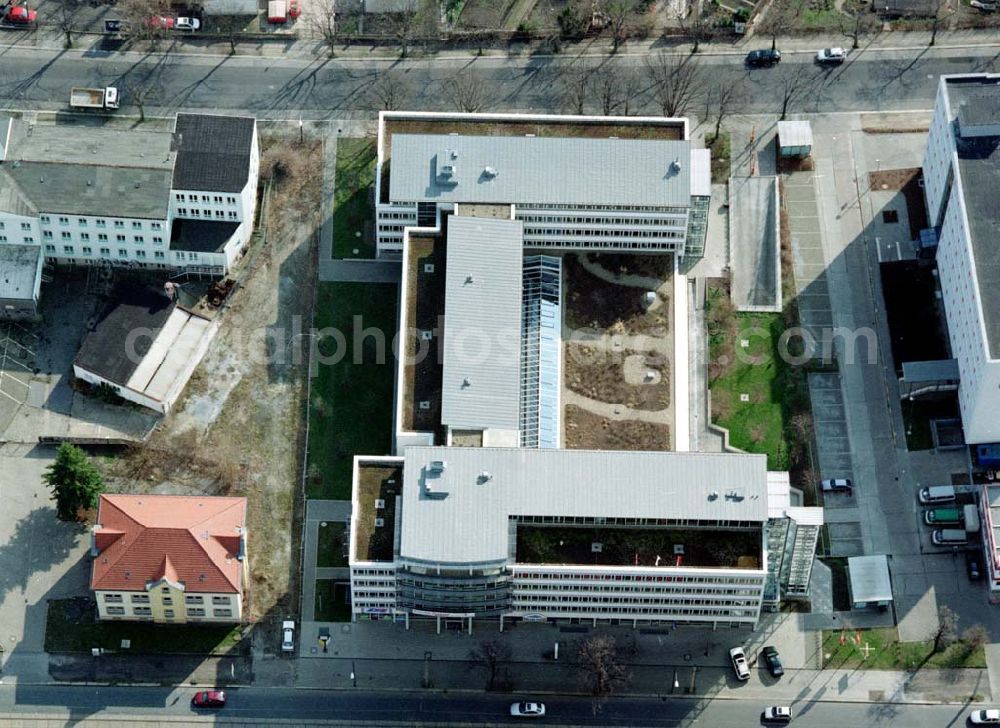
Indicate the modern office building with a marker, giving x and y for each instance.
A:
(171, 559)
(88, 195)
(961, 177)
(457, 533)
(577, 183)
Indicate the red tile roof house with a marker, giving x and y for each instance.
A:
(170, 559)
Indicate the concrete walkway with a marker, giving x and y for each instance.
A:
(318, 511)
(618, 412)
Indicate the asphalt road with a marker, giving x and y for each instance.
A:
(144, 703)
(336, 88)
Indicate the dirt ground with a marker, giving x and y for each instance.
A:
(601, 375)
(238, 428)
(587, 431)
(608, 308)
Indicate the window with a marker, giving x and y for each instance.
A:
(84, 236)
(180, 255)
(182, 211)
(68, 249)
(26, 226)
(113, 599)
(193, 256)
(120, 238)
(179, 196)
(158, 255)
(140, 254)
(165, 590)
(219, 213)
(168, 601)
(28, 239)
(140, 598)
(204, 198)
(136, 225)
(119, 224)
(106, 252)
(195, 212)
(81, 221)
(137, 239)
(157, 240)
(122, 253)
(168, 613)
(232, 214)
(65, 235)
(220, 600)
(48, 248)
(102, 237)
(208, 213)
(156, 225)
(218, 199)
(196, 612)
(231, 200)
(64, 221)
(47, 235)
(194, 599)
(142, 611)
(87, 250)
(45, 219)
(100, 223)
(222, 612)
(115, 611)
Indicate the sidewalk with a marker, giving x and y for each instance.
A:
(50, 37)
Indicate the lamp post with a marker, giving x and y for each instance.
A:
(354, 676)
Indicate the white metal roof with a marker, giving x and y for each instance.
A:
(701, 173)
(541, 170)
(869, 578)
(172, 356)
(795, 134)
(19, 271)
(481, 377)
(464, 518)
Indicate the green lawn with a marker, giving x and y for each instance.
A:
(331, 545)
(331, 601)
(774, 390)
(721, 156)
(70, 626)
(352, 206)
(888, 653)
(351, 408)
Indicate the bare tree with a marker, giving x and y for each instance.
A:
(144, 19)
(574, 86)
(779, 19)
(617, 12)
(493, 656)
(858, 21)
(947, 624)
(792, 83)
(606, 86)
(602, 665)
(65, 18)
(720, 101)
(938, 7)
(413, 22)
(322, 21)
(140, 91)
(693, 24)
(975, 637)
(466, 91)
(388, 92)
(674, 81)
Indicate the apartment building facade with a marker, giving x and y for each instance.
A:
(169, 559)
(573, 192)
(961, 172)
(184, 199)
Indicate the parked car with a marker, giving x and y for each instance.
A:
(831, 56)
(934, 495)
(288, 636)
(773, 662)
(983, 5)
(209, 699)
(294, 10)
(740, 666)
(835, 484)
(777, 714)
(984, 717)
(527, 710)
(20, 15)
(164, 22)
(189, 24)
(972, 566)
(763, 58)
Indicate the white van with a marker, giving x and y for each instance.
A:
(949, 537)
(936, 494)
(971, 514)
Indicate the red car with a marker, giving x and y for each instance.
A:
(294, 10)
(21, 15)
(209, 699)
(160, 21)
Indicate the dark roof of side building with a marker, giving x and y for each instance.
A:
(213, 152)
(108, 351)
(201, 236)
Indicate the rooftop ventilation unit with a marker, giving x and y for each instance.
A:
(678, 549)
(428, 267)
(469, 280)
(675, 166)
(735, 494)
(437, 466)
(426, 335)
(379, 522)
(379, 503)
(466, 383)
(424, 404)
(485, 477)
(713, 495)
(490, 172)
(596, 547)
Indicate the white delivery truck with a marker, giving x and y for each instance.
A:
(94, 98)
